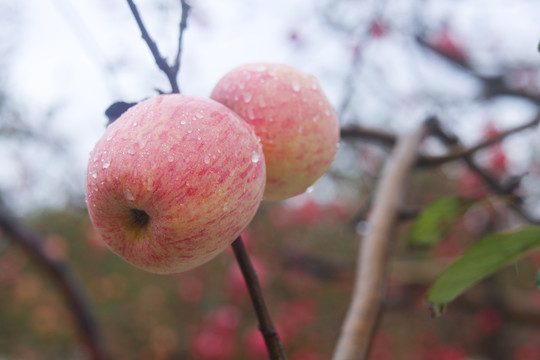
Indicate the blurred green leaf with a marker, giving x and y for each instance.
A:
(436, 219)
(483, 258)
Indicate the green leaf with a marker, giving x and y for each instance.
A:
(482, 259)
(436, 220)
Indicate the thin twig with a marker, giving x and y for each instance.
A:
(467, 152)
(389, 139)
(170, 71)
(183, 25)
(63, 278)
(372, 264)
(509, 188)
(271, 337)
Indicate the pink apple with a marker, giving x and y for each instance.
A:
(292, 116)
(174, 181)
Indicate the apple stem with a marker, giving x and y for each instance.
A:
(266, 326)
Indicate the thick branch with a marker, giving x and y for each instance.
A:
(359, 325)
(62, 277)
(271, 338)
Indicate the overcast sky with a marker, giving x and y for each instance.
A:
(76, 57)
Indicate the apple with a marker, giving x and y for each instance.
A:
(173, 181)
(291, 114)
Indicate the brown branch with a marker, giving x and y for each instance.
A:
(170, 71)
(459, 153)
(372, 264)
(63, 278)
(515, 202)
(468, 152)
(266, 326)
(368, 134)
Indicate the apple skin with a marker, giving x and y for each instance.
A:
(174, 181)
(297, 125)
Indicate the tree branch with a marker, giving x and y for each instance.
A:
(467, 152)
(183, 25)
(271, 338)
(62, 277)
(372, 264)
(170, 71)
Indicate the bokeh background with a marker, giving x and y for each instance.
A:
(384, 64)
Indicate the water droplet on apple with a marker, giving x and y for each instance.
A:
(183, 122)
(109, 137)
(135, 124)
(131, 151)
(316, 118)
(170, 158)
(241, 86)
(225, 206)
(206, 159)
(199, 115)
(94, 174)
(295, 86)
(309, 190)
(128, 195)
(255, 157)
(106, 163)
(248, 97)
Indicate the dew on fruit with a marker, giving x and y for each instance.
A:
(128, 195)
(131, 151)
(94, 174)
(241, 86)
(170, 158)
(247, 97)
(295, 85)
(199, 115)
(309, 190)
(206, 159)
(109, 137)
(134, 124)
(183, 122)
(316, 118)
(255, 157)
(225, 206)
(106, 163)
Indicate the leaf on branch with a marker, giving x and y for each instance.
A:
(488, 255)
(435, 221)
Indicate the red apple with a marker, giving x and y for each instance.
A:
(174, 181)
(294, 119)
